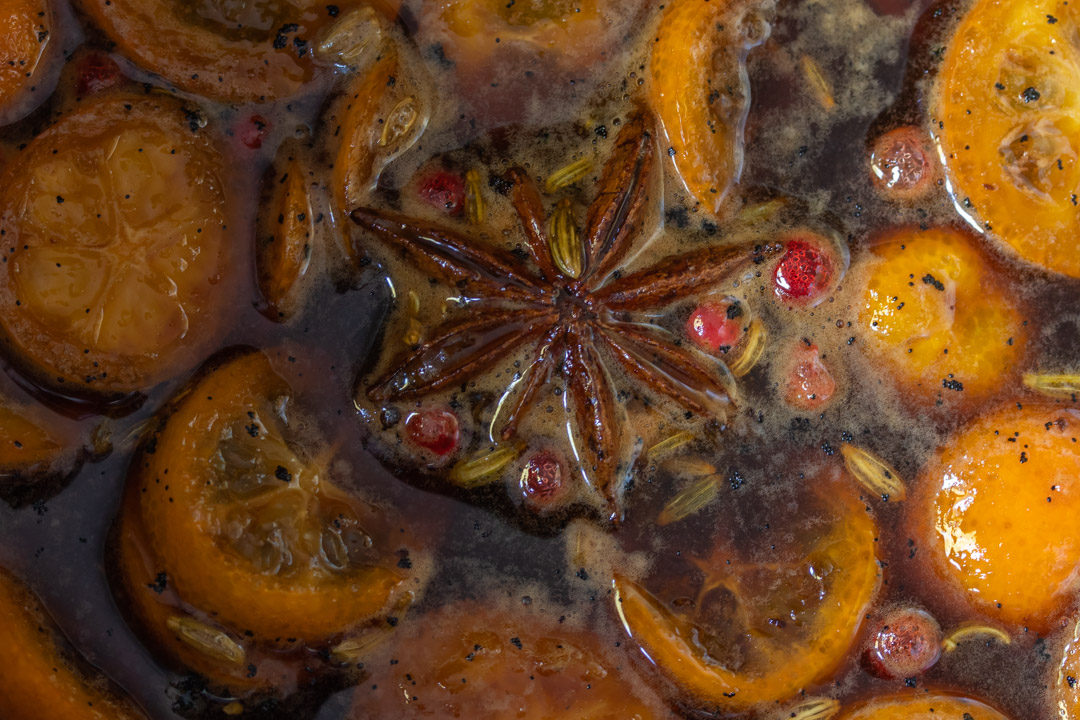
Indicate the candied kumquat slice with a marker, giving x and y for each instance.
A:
(698, 88)
(996, 513)
(1007, 116)
(116, 261)
(25, 52)
(477, 661)
(923, 706)
(233, 51)
(287, 226)
(939, 317)
(39, 679)
(248, 527)
(759, 634)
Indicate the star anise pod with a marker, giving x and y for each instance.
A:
(575, 317)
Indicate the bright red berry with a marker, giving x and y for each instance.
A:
(901, 164)
(810, 384)
(96, 72)
(716, 326)
(804, 271)
(435, 430)
(253, 131)
(907, 644)
(443, 190)
(543, 480)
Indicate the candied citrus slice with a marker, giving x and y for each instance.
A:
(1007, 116)
(116, 260)
(250, 529)
(39, 680)
(1066, 683)
(25, 52)
(939, 316)
(473, 660)
(34, 452)
(759, 633)
(233, 51)
(996, 513)
(921, 707)
(286, 228)
(699, 90)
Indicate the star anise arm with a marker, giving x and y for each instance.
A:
(617, 212)
(457, 260)
(678, 277)
(667, 368)
(459, 350)
(525, 197)
(594, 412)
(536, 376)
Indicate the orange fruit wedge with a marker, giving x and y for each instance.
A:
(26, 54)
(939, 316)
(117, 260)
(996, 513)
(39, 678)
(1006, 114)
(923, 706)
(760, 633)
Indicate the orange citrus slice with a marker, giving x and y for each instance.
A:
(39, 680)
(113, 232)
(247, 530)
(996, 513)
(472, 660)
(698, 88)
(939, 316)
(26, 45)
(1007, 116)
(759, 633)
(921, 707)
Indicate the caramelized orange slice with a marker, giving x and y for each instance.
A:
(252, 535)
(921, 707)
(939, 316)
(758, 633)
(25, 51)
(997, 513)
(1065, 684)
(287, 225)
(1007, 117)
(113, 232)
(38, 679)
(475, 661)
(233, 51)
(33, 452)
(698, 88)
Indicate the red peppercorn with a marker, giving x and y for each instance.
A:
(810, 384)
(543, 480)
(96, 72)
(716, 326)
(443, 190)
(435, 430)
(907, 644)
(901, 163)
(253, 131)
(805, 271)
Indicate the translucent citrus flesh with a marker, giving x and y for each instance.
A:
(473, 661)
(25, 28)
(921, 707)
(247, 531)
(24, 443)
(560, 26)
(235, 51)
(996, 513)
(777, 664)
(694, 100)
(115, 240)
(939, 317)
(37, 680)
(1008, 104)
